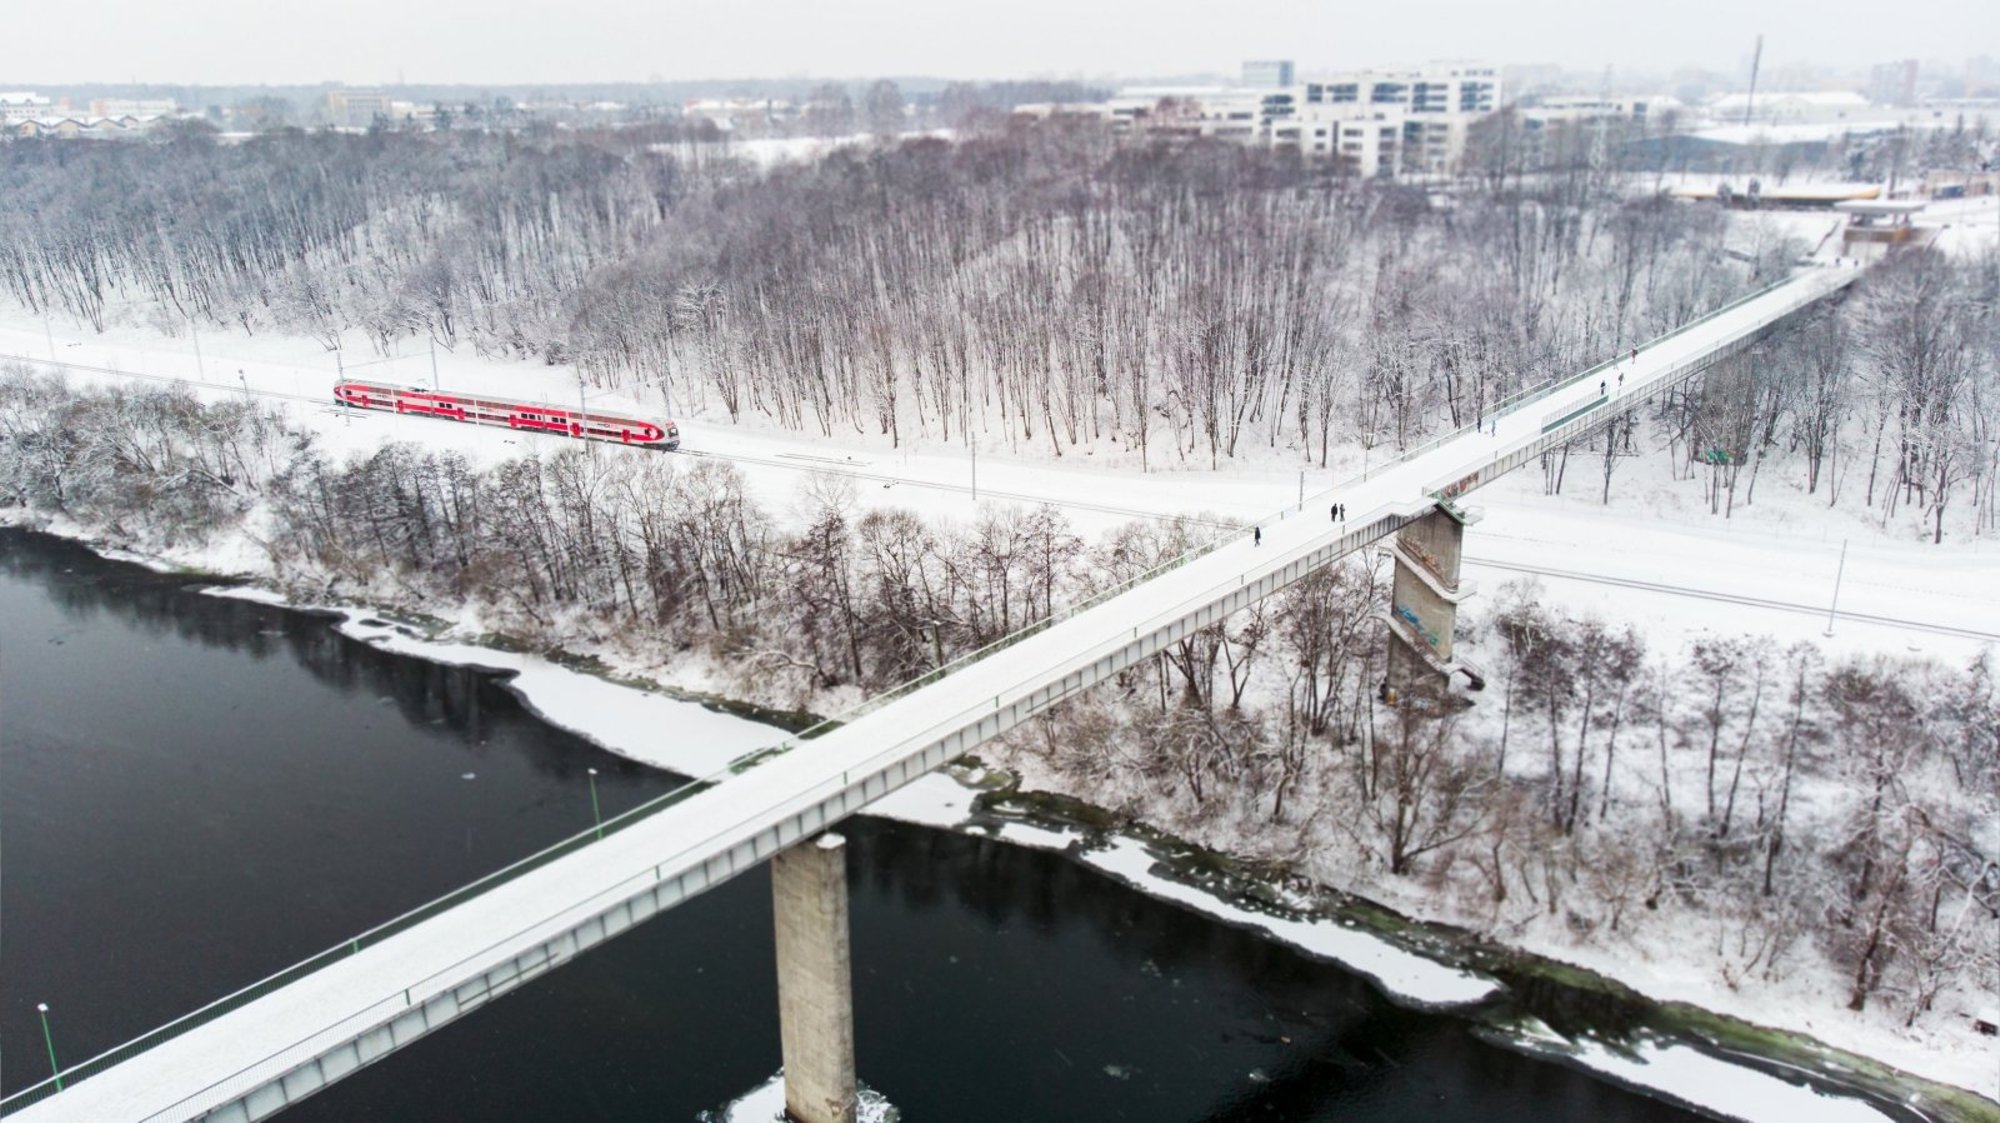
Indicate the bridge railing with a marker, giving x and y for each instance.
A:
(1542, 390)
(1567, 423)
(353, 945)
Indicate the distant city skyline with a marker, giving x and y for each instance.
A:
(249, 42)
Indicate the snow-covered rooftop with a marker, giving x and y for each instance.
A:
(1823, 99)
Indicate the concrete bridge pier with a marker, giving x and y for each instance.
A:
(1424, 600)
(815, 980)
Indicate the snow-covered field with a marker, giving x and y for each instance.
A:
(1786, 548)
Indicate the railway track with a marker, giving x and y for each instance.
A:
(1732, 598)
(1126, 512)
(223, 387)
(811, 465)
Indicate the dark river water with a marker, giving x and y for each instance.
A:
(198, 791)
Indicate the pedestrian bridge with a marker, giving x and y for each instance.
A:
(256, 1051)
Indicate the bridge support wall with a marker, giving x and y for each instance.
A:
(815, 980)
(1424, 598)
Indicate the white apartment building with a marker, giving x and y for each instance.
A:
(28, 106)
(1375, 122)
(1384, 122)
(1267, 72)
(357, 109)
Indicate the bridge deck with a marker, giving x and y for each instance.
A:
(403, 980)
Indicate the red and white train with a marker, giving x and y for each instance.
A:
(533, 416)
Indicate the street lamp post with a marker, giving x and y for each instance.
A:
(50, 1040)
(595, 814)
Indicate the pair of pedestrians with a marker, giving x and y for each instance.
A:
(1337, 512)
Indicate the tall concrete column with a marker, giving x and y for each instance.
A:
(815, 980)
(1424, 599)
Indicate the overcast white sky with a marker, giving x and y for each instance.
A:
(481, 41)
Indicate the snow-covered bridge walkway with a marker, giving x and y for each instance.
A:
(254, 1052)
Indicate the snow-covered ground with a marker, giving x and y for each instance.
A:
(934, 478)
(1783, 548)
(766, 1104)
(1699, 1080)
(1655, 558)
(1966, 226)
(228, 1056)
(659, 729)
(768, 152)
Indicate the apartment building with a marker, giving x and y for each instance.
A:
(1267, 72)
(27, 106)
(358, 109)
(1373, 122)
(1384, 122)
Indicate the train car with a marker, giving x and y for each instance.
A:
(532, 416)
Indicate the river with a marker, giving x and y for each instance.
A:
(199, 791)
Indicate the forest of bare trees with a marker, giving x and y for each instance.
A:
(1049, 287)
(1769, 812)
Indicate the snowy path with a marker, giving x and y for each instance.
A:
(698, 842)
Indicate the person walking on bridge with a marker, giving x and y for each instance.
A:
(1256, 536)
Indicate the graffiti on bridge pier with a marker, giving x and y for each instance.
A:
(1409, 617)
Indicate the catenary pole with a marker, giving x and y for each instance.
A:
(1837, 574)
